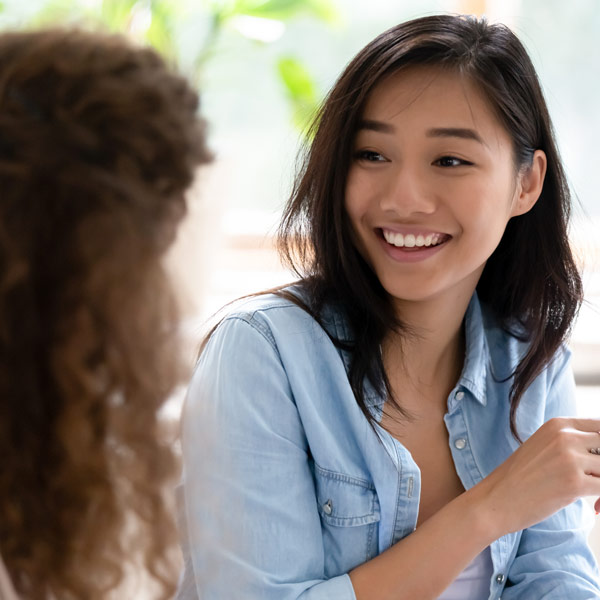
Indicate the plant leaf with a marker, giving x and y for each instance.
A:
(284, 10)
(300, 89)
(160, 35)
(325, 10)
(57, 11)
(116, 13)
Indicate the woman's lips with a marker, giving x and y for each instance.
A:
(417, 239)
(412, 247)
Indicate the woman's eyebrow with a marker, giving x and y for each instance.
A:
(379, 126)
(459, 132)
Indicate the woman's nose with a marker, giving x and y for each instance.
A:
(407, 192)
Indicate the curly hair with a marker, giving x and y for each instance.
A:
(99, 140)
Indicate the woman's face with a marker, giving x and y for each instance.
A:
(432, 184)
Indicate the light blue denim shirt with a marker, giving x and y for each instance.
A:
(287, 487)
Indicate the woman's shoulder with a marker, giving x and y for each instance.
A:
(262, 341)
(283, 317)
(259, 304)
(280, 311)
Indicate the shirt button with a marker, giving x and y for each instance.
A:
(500, 578)
(460, 443)
(328, 507)
(459, 395)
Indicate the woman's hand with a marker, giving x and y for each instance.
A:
(550, 470)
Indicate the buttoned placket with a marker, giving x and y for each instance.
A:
(409, 482)
(469, 474)
(408, 493)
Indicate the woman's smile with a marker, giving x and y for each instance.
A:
(411, 247)
(432, 183)
(416, 239)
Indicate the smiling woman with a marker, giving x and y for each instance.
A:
(427, 215)
(398, 423)
(429, 204)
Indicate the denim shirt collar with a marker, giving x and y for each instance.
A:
(474, 373)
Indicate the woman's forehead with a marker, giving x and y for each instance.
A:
(426, 97)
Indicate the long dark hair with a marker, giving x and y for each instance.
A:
(531, 281)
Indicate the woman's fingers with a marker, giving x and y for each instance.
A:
(584, 446)
(587, 432)
(554, 467)
(587, 441)
(589, 425)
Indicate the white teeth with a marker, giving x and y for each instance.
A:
(410, 240)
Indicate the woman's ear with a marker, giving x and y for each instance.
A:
(530, 184)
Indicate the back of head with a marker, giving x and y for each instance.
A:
(98, 142)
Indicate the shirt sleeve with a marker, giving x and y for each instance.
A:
(554, 560)
(251, 519)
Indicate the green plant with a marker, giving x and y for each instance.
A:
(156, 22)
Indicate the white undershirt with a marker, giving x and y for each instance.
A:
(474, 582)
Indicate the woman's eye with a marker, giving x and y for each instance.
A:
(369, 156)
(451, 161)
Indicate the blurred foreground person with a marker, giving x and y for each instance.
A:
(99, 140)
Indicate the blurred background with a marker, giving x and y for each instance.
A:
(262, 67)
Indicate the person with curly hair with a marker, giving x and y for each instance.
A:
(99, 140)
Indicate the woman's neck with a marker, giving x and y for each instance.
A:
(431, 357)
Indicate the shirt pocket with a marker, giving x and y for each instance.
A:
(350, 514)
